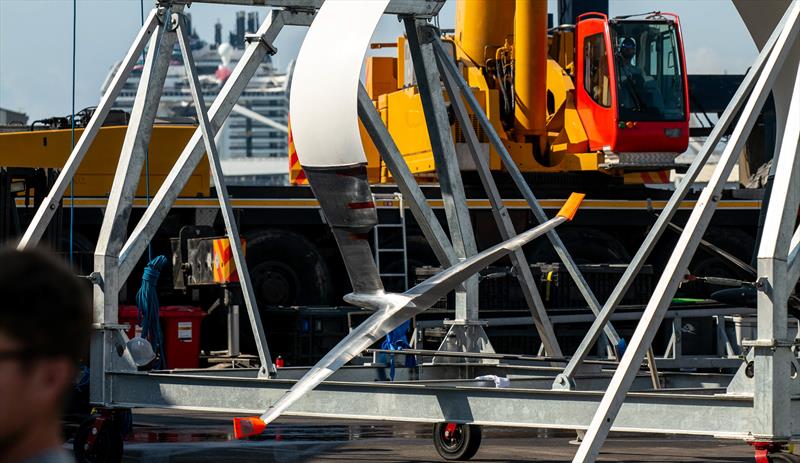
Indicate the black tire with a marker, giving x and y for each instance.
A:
(107, 446)
(460, 445)
(287, 270)
(586, 246)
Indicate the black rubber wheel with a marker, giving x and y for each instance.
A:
(586, 246)
(107, 446)
(287, 269)
(456, 442)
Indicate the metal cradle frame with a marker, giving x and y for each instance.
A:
(762, 406)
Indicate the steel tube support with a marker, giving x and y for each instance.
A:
(565, 380)
(684, 249)
(193, 152)
(522, 185)
(455, 201)
(50, 204)
(120, 201)
(423, 213)
(773, 350)
(264, 356)
(502, 218)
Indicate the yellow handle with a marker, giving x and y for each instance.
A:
(570, 207)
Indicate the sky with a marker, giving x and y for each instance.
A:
(36, 43)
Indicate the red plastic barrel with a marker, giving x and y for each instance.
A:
(129, 314)
(180, 326)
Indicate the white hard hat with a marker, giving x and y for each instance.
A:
(141, 351)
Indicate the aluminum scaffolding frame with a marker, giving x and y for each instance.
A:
(761, 406)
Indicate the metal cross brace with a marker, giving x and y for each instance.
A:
(423, 213)
(519, 180)
(224, 202)
(50, 204)
(501, 216)
(686, 247)
(451, 185)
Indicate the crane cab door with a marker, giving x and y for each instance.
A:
(631, 84)
(594, 86)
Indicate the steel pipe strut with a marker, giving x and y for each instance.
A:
(224, 202)
(502, 218)
(685, 248)
(50, 204)
(423, 213)
(522, 185)
(444, 154)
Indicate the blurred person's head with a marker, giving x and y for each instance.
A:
(45, 322)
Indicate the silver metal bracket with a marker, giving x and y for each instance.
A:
(96, 278)
(250, 38)
(457, 322)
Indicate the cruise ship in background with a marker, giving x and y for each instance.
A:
(253, 144)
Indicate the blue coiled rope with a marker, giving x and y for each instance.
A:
(147, 302)
(396, 340)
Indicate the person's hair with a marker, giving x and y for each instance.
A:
(43, 305)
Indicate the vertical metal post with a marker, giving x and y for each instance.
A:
(49, 205)
(224, 202)
(120, 201)
(501, 217)
(173, 184)
(774, 349)
(522, 185)
(684, 250)
(452, 188)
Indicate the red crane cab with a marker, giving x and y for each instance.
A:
(631, 86)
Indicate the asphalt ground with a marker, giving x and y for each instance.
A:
(180, 436)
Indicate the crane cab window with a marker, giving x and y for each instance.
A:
(649, 71)
(596, 79)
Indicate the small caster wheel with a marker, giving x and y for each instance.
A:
(456, 442)
(98, 440)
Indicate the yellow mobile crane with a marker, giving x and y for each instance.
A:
(605, 95)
